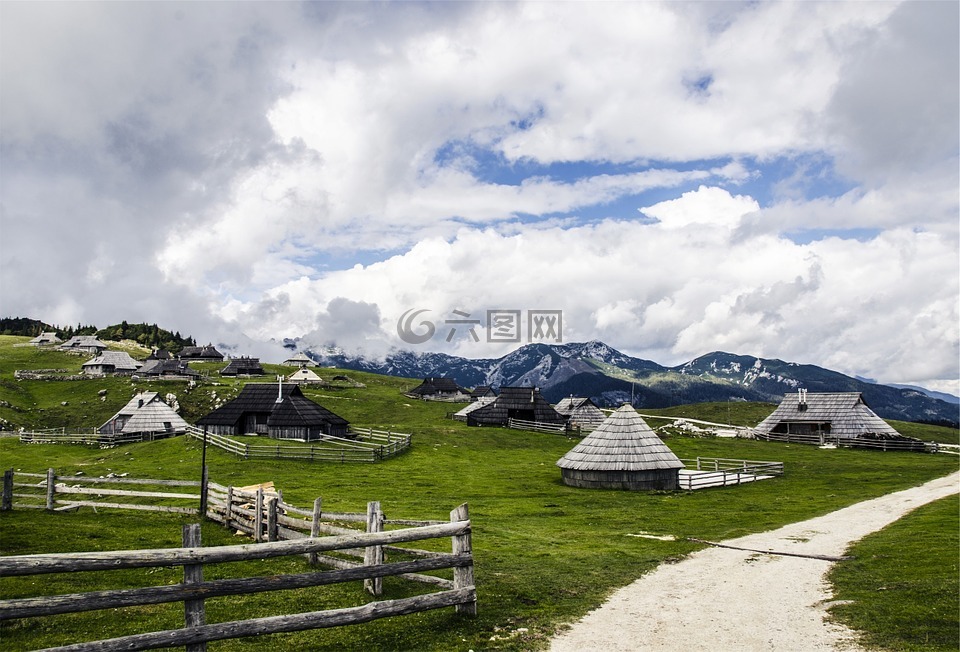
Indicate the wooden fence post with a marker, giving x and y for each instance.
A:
(228, 510)
(463, 575)
(315, 525)
(373, 555)
(7, 503)
(272, 519)
(194, 612)
(258, 517)
(204, 488)
(51, 488)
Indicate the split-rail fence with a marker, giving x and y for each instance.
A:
(278, 529)
(366, 445)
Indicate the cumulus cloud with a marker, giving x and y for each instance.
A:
(767, 178)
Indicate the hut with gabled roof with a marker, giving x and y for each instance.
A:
(243, 366)
(169, 369)
(305, 376)
(826, 417)
(84, 344)
(276, 410)
(524, 403)
(145, 413)
(111, 362)
(622, 453)
(482, 391)
(46, 339)
(581, 412)
(439, 389)
(206, 353)
(299, 360)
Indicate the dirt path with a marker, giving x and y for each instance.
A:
(721, 599)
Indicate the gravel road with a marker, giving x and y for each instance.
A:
(723, 599)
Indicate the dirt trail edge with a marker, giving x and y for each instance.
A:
(724, 599)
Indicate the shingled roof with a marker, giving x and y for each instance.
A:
(842, 414)
(145, 412)
(243, 366)
(286, 406)
(112, 361)
(623, 442)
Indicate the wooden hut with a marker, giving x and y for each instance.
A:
(206, 353)
(304, 376)
(299, 360)
(169, 369)
(46, 339)
(111, 362)
(462, 414)
(276, 410)
(84, 344)
(145, 413)
(482, 391)
(439, 389)
(243, 366)
(581, 412)
(825, 418)
(524, 403)
(622, 453)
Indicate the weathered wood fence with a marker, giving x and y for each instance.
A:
(716, 471)
(368, 445)
(878, 443)
(89, 437)
(58, 493)
(539, 426)
(354, 544)
(194, 590)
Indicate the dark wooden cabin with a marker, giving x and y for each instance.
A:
(439, 389)
(524, 403)
(277, 411)
(243, 366)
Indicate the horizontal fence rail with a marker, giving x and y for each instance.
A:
(367, 445)
(352, 545)
(538, 426)
(879, 443)
(90, 438)
(713, 472)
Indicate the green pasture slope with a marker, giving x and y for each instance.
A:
(545, 553)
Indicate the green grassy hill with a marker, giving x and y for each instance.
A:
(545, 553)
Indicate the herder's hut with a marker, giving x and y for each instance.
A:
(145, 413)
(825, 418)
(524, 403)
(45, 339)
(84, 344)
(168, 369)
(206, 353)
(439, 389)
(243, 366)
(299, 360)
(277, 411)
(462, 414)
(304, 376)
(581, 412)
(111, 362)
(622, 453)
(482, 391)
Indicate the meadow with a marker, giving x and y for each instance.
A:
(545, 553)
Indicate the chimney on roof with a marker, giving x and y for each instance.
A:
(279, 389)
(801, 400)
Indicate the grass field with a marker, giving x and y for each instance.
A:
(545, 553)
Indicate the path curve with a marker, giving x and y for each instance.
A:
(722, 599)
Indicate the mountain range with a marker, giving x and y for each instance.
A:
(610, 378)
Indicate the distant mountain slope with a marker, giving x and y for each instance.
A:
(609, 378)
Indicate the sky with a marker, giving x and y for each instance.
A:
(772, 179)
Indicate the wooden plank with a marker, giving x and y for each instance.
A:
(373, 555)
(194, 614)
(142, 508)
(83, 561)
(279, 624)
(119, 598)
(98, 491)
(462, 545)
(7, 503)
(51, 488)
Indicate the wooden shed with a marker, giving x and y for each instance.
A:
(84, 344)
(243, 366)
(523, 403)
(170, 369)
(439, 389)
(145, 413)
(206, 353)
(826, 417)
(299, 360)
(305, 376)
(111, 362)
(622, 453)
(46, 339)
(581, 412)
(276, 410)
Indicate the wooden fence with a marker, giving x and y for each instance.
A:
(331, 539)
(879, 443)
(368, 445)
(539, 426)
(716, 471)
(90, 438)
(44, 491)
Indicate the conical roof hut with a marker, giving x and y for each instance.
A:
(622, 453)
(146, 412)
